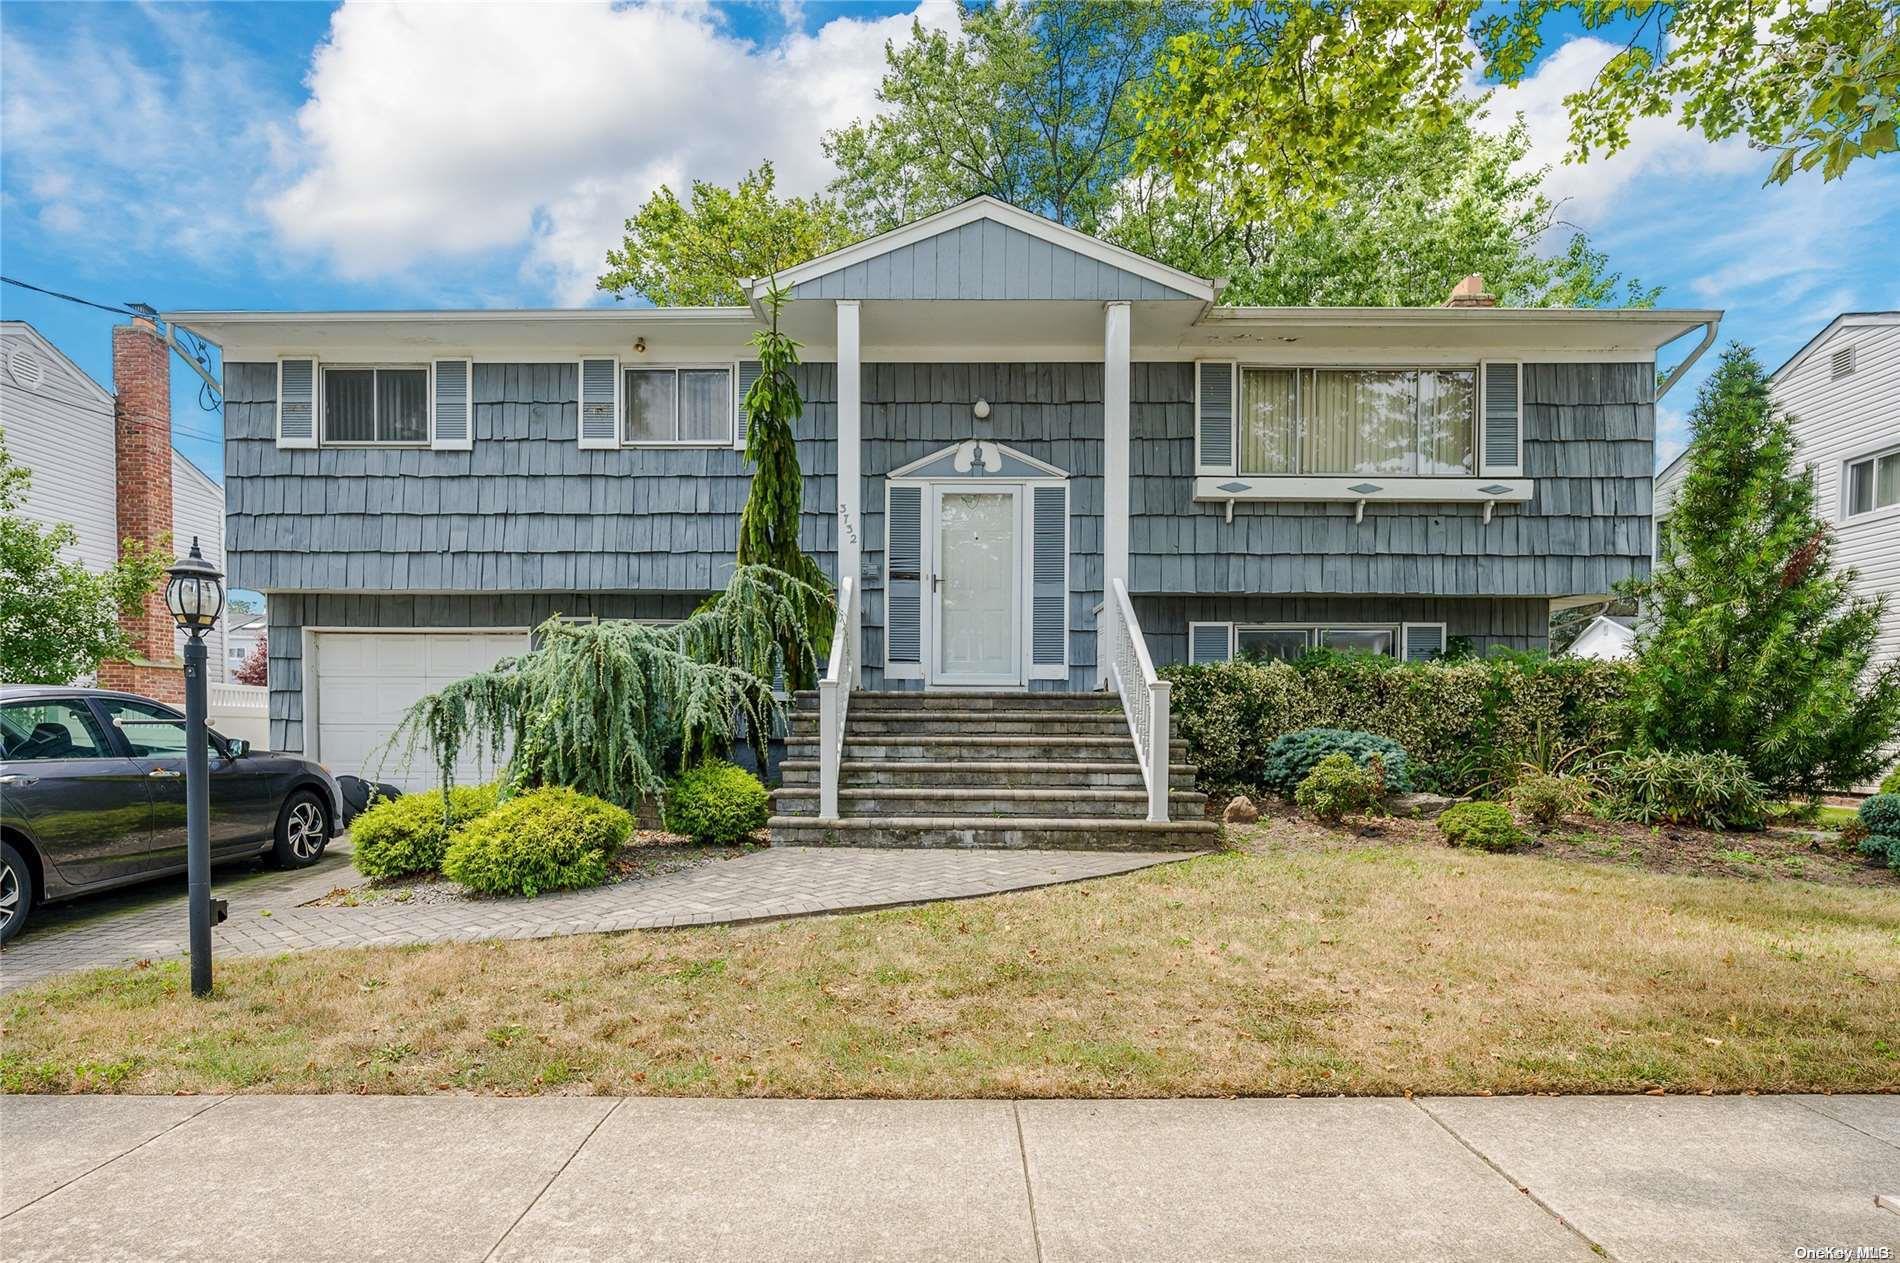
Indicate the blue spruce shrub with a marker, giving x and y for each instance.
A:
(1292, 757)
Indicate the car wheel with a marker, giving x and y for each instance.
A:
(16, 892)
(302, 831)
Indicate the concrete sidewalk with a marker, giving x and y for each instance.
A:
(583, 1179)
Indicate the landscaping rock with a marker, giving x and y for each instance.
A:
(1418, 806)
(1240, 810)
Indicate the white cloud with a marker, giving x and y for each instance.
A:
(1593, 192)
(436, 132)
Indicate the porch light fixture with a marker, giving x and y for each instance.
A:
(194, 593)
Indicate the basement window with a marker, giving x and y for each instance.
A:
(381, 406)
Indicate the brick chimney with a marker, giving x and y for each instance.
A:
(1471, 292)
(142, 424)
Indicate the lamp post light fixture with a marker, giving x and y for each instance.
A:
(194, 593)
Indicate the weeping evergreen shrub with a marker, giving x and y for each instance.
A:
(610, 708)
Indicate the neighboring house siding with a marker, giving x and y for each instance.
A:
(60, 430)
(1504, 622)
(1836, 420)
(1588, 435)
(525, 510)
(984, 260)
(291, 613)
(1052, 412)
(198, 510)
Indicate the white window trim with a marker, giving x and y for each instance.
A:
(1476, 369)
(316, 403)
(623, 397)
(466, 443)
(1315, 631)
(1405, 638)
(428, 404)
(1192, 626)
(1847, 516)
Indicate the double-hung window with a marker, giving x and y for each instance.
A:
(382, 405)
(1873, 482)
(1331, 421)
(680, 406)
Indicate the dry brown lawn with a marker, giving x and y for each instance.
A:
(1300, 962)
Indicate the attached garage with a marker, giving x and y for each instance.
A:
(360, 683)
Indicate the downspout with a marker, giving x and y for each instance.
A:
(1675, 375)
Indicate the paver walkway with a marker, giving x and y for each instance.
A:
(428, 1179)
(266, 917)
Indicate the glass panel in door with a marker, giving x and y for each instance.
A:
(979, 640)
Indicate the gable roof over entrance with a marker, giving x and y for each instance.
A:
(986, 249)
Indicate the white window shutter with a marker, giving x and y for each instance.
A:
(1049, 588)
(1210, 642)
(903, 581)
(744, 373)
(1501, 428)
(1214, 416)
(600, 404)
(1424, 641)
(451, 406)
(296, 403)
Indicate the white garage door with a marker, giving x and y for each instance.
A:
(366, 680)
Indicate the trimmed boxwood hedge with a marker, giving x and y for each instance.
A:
(401, 837)
(716, 802)
(545, 839)
(1463, 724)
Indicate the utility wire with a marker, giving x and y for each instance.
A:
(207, 401)
(71, 298)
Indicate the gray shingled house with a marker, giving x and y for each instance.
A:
(1041, 463)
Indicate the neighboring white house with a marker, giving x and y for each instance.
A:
(57, 423)
(241, 634)
(1607, 638)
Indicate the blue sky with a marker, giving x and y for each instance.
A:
(317, 156)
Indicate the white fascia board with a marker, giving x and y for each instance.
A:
(1350, 488)
(1552, 327)
(1003, 213)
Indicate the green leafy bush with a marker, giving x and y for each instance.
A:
(1545, 798)
(1483, 826)
(546, 839)
(716, 802)
(1464, 725)
(1892, 784)
(1292, 757)
(400, 837)
(1338, 787)
(1881, 814)
(1712, 790)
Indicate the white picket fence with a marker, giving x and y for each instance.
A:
(241, 710)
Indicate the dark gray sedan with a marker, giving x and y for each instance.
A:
(92, 795)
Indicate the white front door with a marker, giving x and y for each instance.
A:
(976, 586)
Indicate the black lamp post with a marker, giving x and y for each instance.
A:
(195, 595)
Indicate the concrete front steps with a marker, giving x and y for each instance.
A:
(969, 768)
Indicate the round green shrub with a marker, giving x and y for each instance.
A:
(716, 802)
(1481, 825)
(1292, 758)
(401, 837)
(1881, 814)
(1338, 787)
(546, 839)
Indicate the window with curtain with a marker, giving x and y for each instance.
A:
(1873, 483)
(1358, 421)
(678, 405)
(376, 405)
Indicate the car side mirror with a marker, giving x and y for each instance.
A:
(237, 746)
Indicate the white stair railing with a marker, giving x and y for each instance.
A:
(834, 697)
(1131, 673)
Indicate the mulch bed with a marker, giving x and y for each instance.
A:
(1773, 854)
(649, 853)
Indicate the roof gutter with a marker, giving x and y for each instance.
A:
(1675, 375)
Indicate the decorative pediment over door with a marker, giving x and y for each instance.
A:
(977, 458)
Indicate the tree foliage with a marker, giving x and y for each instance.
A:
(58, 620)
(1276, 101)
(1030, 102)
(609, 708)
(1424, 206)
(1753, 644)
(696, 255)
(255, 669)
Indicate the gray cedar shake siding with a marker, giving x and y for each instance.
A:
(984, 260)
(525, 510)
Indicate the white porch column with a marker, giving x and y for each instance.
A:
(1115, 445)
(850, 453)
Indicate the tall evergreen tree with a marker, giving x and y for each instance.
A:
(1753, 642)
